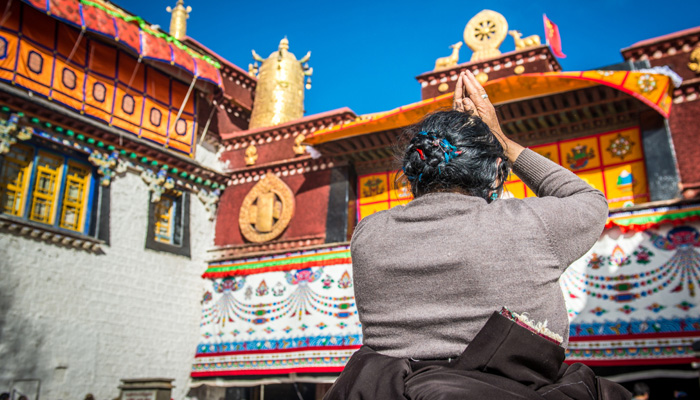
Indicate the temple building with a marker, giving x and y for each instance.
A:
(279, 316)
(167, 214)
(109, 179)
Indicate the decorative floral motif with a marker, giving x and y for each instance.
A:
(618, 257)
(596, 261)
(656, 307)
(685, 306)
(278, 290)
(250, 331)
(157, 183)
(303, 327)
(303, 276)
(321, 326)
(262, 289)
(207, 297)
(621, 146)
(646, 83)
(107, 165)
(327, 282)
(345, 281)
(268, 330)
(342, 325)
(643, 255)
(627, 309)
(598, 311)
(10, 132)
(230, 284)
(579, 157)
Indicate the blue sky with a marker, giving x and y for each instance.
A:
(366, 54)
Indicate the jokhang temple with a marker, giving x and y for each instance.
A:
(93, 97)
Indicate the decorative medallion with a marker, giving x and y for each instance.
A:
(579, 157)
(299, 147)
(266, 210)
(646, 83)
(621, 146)
(482, 77)
(443, 87)
(519, 70)
(694, 64)
(373, 187)
(484, 33)
(251, 155)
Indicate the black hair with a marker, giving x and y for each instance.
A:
(640, 389)
(453, 151)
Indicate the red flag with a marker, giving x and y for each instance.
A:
(551, 33)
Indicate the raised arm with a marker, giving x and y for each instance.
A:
(573, 212)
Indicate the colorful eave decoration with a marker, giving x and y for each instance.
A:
(654, 90)
(133, 32)
(107, 158)
(642, 220)
(282, 262)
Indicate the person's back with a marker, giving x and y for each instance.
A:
(429, 274)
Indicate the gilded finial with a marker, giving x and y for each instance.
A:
(178, 19)
(251, 155)
(524, 43)
(484, 34)
(279, 95)
(449, 61)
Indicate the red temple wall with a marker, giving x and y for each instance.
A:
(686, 140)
(311, 192)
(275, 150)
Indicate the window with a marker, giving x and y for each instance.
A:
(168, 223)
(48, 188)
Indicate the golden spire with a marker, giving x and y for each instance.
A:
(279, 95)
(178, 20)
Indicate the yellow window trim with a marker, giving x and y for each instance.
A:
(19, 187)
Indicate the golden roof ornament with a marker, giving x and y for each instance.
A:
(524, 43)
(251, 155)
(279, 95)
(484, 34)
(449, 61)
(178, 19)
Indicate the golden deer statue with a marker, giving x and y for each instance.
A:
(530, 41)
(449, 61)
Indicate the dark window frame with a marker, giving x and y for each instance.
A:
(181, 228)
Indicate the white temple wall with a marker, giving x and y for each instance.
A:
(79, 322)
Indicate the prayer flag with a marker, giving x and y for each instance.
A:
(551, 33)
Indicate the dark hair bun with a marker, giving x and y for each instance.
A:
(451, 150)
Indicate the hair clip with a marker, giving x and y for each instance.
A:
(420, 152)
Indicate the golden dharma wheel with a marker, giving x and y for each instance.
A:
(484, 34)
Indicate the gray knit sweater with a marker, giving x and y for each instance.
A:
(429, 274)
